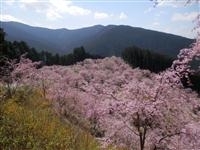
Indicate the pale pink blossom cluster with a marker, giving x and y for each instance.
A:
(24, 71)
(120, 105)
(185, 57)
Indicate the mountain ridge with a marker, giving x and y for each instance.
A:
(98, 39)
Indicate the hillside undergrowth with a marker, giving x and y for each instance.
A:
(27, 121)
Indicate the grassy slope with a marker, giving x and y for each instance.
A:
(27, 121)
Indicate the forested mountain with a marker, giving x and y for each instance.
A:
(117, 38)
(102, 40)
(14, 50)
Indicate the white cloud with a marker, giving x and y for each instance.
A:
(60, 5)
(34, 5)
(54, 9)
(78, 11)
(63, 6)
(123, 16)
(184, 16)
(101, 15)
(6, 17)
(156, 24)
(52, 15)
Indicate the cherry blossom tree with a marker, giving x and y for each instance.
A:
(119, 105)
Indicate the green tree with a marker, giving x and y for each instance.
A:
(146, 59)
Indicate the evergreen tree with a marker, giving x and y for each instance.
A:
(146, 59)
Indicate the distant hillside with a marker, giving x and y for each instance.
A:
(117, 38)
(101, 40)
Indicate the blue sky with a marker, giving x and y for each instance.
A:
(171, 16)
